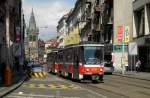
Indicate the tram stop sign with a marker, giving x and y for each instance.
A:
(133, 48)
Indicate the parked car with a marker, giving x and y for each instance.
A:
(108, 67)
(37, 68)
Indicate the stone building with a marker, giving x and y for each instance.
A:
(141, 31)
(123, 13)
(62, 31)
(32, 35)
(92, 20)
(41, 49)
(11, 34)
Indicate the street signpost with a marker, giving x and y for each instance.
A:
(133, 51)
(133, 48)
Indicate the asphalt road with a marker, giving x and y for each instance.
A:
(53, 86)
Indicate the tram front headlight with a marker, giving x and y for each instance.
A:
(87, 69)
(101, 69)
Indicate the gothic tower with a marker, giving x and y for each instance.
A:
(32, 35)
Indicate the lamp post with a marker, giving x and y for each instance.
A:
(123, 52)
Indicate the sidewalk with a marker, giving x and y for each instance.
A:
(136, 75)
(18, 79)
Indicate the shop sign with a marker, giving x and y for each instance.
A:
(119, 34)
(18, 34)
(127, 32)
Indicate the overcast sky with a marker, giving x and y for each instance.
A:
(47, 14)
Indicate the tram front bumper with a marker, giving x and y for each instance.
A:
(93, 77)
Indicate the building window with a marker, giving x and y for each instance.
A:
(141, 22)
(32, 38)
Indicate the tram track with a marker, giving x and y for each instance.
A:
(134, 83)
(131, 77)
(112, 88)
(131, 84)
(104, 93)
(107, 91)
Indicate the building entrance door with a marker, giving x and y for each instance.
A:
(144, 56)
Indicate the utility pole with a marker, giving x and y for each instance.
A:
(7, 33)
(123, 52)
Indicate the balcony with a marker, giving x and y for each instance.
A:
(88, 16)
(88, 1)
(97, 8)
(97, 27)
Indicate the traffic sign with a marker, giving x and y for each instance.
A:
(133, 48)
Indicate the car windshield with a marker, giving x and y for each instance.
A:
(37, 65)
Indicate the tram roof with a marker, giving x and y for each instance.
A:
(85, 44)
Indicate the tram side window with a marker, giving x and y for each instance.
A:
(69, 55)
(60, 57)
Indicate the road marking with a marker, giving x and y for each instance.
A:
(30, 96)
(100, 95)
(15, 95)
(38, 74)
(52, 86)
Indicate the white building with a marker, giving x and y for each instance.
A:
(62, 31)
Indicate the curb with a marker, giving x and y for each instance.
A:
(131, 77)
(13, 87)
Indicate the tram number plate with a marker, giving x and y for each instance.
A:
(95, 77)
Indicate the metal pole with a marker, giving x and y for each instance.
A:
(131, 63)
(123, 54)
(7, 34)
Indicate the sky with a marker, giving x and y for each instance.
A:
(47, 14)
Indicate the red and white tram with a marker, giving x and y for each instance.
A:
(81, 62)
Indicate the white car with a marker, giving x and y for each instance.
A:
(108, 67)
(37, 68)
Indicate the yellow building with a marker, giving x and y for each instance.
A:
(73, 37)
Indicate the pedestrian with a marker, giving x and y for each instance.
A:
(138, 64)
(126, 66)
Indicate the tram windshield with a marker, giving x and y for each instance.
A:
(93, 55)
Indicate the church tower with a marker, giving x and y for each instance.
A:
(32, 38)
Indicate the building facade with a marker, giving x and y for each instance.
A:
(41, 49)
(32, 35)
(62, 31)
(141, 31)
(11, 35)
(91, 20)
(122, 32)
(118, 24)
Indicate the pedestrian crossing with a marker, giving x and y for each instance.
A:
(52, 86)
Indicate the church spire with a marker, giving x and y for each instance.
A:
(32, 22)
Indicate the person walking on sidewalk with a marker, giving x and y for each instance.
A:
(138, 64)
(127, 66)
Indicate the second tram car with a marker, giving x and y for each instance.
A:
(52, 61)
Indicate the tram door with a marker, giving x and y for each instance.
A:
(76, 63)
